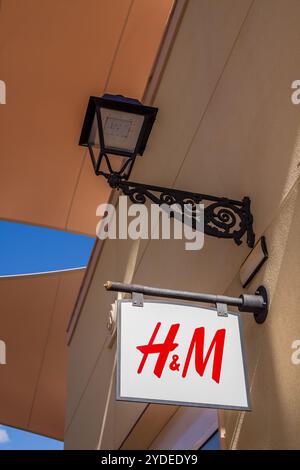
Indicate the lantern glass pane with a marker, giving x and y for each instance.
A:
(94, 140)
(121, 130)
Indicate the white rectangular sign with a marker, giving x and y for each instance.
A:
(182, 354)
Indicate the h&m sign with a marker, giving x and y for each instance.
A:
(180, 354)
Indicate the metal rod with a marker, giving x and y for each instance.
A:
(256, 303)
(175, 294)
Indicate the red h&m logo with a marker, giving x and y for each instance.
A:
(197, 344)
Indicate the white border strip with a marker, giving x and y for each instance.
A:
(7, 276)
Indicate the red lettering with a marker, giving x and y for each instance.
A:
(200, 364)
(163, 349)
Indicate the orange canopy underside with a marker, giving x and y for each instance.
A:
(55, 54)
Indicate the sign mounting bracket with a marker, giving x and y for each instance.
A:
(222, 309)
(137, 299)
(257, 304)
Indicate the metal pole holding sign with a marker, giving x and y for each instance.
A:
(252, 303)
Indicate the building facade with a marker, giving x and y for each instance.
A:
(226, 125)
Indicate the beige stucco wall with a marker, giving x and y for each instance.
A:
(274, 380)
(226, 126)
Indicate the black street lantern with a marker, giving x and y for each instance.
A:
(119, 126)
(115, 125)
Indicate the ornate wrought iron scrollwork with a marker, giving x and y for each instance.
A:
(223, 218)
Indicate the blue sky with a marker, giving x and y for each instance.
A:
(15, 439)
(30, 249)
(213, 443)
(27, 249)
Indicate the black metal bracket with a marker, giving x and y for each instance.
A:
(223, 217)
(257, 303)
